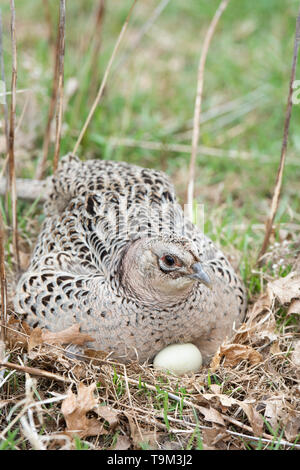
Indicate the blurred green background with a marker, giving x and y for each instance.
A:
(150, 98)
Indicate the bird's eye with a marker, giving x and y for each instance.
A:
(169, 260)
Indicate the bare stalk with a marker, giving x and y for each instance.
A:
(278, 184)
(97, 35)
(60, 95)
(41, 167)
(3, 101)
(34, 371)
(104, 80)
(198, 103)
(5, 115)
(3, 284)
(11, 138)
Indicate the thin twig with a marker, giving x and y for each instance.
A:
(5, 115)
(104, 80)
(12, 175)
(34, 371)
(3, 284)
(97, 36)
(4, 102)
(31, 434)
(278, 184)
(198, 102)
(41, 167)
(60, 95)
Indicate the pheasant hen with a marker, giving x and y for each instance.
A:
(116, 255)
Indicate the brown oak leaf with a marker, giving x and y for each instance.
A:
(75, 409)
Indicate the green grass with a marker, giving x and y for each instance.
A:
(151, 97)
(119, 384)
(11, 442)
(79, 444)
(156, 86)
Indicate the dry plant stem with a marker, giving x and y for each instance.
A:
(5, 114)
(198, 102)
(40, 171)
(97, 35)
(3, 284)
(12, 175)
(61, 53)
(130, 401)
(34, 371)
(277, 189)
(104, 80)
(31, 434)
(6, 124)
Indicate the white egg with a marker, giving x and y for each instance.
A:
(179, 359)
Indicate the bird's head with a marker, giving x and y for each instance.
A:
(162, 268)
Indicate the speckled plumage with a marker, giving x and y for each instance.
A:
(95, 264)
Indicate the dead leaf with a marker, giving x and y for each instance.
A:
(96, 354)
(109, 414)
(273, 410)
(14, 332)
(262, 304)
(292, 428)
(135, 432)
(296, 353)
(234, 353)
(211, 415)
(71, 335)
(225, 400)
(294, 307)
(254, 418)
(286, 288)
(35, 338)
(215, 388)
(75, 408)
(275, 348)
(213, 438)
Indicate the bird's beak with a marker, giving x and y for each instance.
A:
(200, 275)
